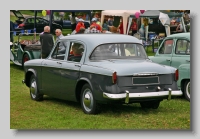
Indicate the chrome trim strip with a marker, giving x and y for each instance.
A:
(142, 95)
(145, 74)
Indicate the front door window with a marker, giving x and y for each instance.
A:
(166, 47)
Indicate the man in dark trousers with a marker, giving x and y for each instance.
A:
(12, 28)
(47, 42)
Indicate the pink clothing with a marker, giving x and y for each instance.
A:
(48, 12)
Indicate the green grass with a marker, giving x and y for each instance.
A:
(57, 114)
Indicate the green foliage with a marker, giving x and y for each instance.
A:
(56, 14)
(30, 12)
(66, 16)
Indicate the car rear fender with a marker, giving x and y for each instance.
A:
(28, 53)
(184, 74)
(28, 75)
(34, 54)
(82, 81)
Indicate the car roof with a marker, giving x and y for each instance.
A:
(101, 38)
(180, 35)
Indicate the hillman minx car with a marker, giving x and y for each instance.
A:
(98, 69)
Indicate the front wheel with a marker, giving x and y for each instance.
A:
(35, 94)
(88, 103)
(187, 90)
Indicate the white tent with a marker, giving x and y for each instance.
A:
(124, 13)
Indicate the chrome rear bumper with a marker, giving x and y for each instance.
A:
(128, 95)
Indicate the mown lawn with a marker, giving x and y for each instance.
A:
(58, 114)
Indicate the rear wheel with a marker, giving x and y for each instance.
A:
(150, 104)
(88, 103)
(187, 90)
(34, 92)
(25, 58)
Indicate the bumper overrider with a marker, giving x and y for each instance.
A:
(128, 95)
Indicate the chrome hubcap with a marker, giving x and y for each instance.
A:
(87, 100)
(188, 90)
(33, 88)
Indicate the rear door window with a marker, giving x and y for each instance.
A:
(182, 47)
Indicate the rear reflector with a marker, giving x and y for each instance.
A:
(176, 75)
(114, 77)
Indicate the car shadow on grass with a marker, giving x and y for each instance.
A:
(105, 109)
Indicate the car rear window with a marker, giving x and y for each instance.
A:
(118, 51)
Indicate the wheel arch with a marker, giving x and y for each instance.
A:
(81, 82)
(26, 53)
(28, 75)
(183, 82)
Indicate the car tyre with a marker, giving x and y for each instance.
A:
(150, 104)
(187, 90)
(25, 58)
(34, 92)
(88, 103)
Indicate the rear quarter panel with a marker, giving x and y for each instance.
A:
(184, 73)
(99, 78)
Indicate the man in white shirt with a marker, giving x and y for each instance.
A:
(59, 35)
(73, 21)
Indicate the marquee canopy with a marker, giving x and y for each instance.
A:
(124, 13)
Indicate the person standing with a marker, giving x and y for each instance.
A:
(110, 23)
(120, 27)
(134, 27)
(179, 27)
(59, 34)
(12, 29)
(80, 25)
(73, 21)
(105, 24)
(47, 42)
(141, 31)
(97, 26)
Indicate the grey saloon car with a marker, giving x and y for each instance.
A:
(96, 69)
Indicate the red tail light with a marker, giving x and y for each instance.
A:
(114, 77)
(21, 25)
(176, 75)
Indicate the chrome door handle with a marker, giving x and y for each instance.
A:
(168, 60)
(59, 62)
(77, 65)
(188, 60)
